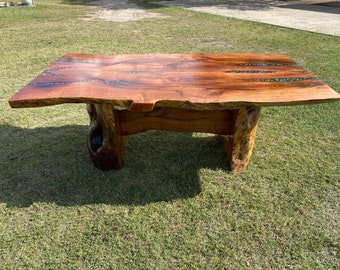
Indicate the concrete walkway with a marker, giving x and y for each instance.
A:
(308, 15)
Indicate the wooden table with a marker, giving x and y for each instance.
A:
(213, 93)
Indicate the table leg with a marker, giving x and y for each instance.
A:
(106, 148)
(239, 146)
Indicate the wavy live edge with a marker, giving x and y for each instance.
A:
(194, 81)
(215, 93)
(145, 107)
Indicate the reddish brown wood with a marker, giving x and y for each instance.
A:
(215, 93)
(106, 148)
(239, 145)
(192, 81)
(175, 119)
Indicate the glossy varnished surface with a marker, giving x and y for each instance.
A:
(193, 81)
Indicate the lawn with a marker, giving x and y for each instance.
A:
(175, 204)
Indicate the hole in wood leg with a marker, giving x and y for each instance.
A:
(96, 140)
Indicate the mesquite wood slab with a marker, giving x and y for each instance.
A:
(215, 93)
(195, 81)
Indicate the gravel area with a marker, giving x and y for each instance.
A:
(120, 11)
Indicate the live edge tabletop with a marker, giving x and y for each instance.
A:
(215, 93)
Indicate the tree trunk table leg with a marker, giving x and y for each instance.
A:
(239, 145)
(106, 148)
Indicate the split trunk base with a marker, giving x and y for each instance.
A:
(109, 129)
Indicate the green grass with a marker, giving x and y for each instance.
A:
(175, 205)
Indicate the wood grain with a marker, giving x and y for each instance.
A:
(189, 81)
(239, 146)
(215, 93)
(175, 119)
(106, 148)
